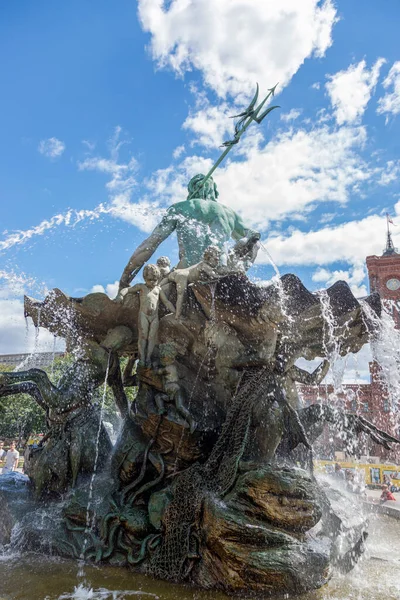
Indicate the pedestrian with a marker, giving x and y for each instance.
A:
(386, 495)
(339, 473)
(2, 451)
(11, 459)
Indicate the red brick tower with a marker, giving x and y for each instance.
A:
(384, 277)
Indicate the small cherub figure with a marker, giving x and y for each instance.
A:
(202, 271)
(150, 294)
(164, 264)
(171, 387)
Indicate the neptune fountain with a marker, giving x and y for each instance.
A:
(210, 481)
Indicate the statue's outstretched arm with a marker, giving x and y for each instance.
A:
(166, 302)
(315, 417)
(146, 250)
(307, 378)
(247, 243)
(241, 231)
(25, 387)
(45, 393)
(349, 425)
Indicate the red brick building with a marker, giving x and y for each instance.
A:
(369, 399)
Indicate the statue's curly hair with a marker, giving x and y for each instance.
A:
(193, 185)
(151, 270)
(163, 261)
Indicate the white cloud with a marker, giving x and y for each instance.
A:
(179, 150)
(321, 275)
(235, 43)
(327, 218)
(211, 125)
(170, 184)
(390, 102)
(390, 172)
(351, 90)
(52, 147)
(354, 276)
(293, 114)
(316, 85)
(143, 213)
(89, 145)
(349, 242)
(293, 172)
(123, 174)
(16, 335)
(111, 289)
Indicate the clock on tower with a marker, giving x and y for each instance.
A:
(393, 284)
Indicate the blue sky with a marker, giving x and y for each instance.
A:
(109, 108)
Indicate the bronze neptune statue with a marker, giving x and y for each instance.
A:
(211, 480)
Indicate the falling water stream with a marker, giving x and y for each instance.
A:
(53, 354)
(277, 281)
(39, 314)
(90, 524)
(331, 342)
(385, 346)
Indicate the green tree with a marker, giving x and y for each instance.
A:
(20, 415)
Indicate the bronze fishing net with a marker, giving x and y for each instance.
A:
(175, 556)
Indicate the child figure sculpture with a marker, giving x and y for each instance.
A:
(171, 387)
(204, 270)
(164, 264)
(150, 294)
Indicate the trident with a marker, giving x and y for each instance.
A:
(252, 113)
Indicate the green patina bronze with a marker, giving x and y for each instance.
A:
(200, 221)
